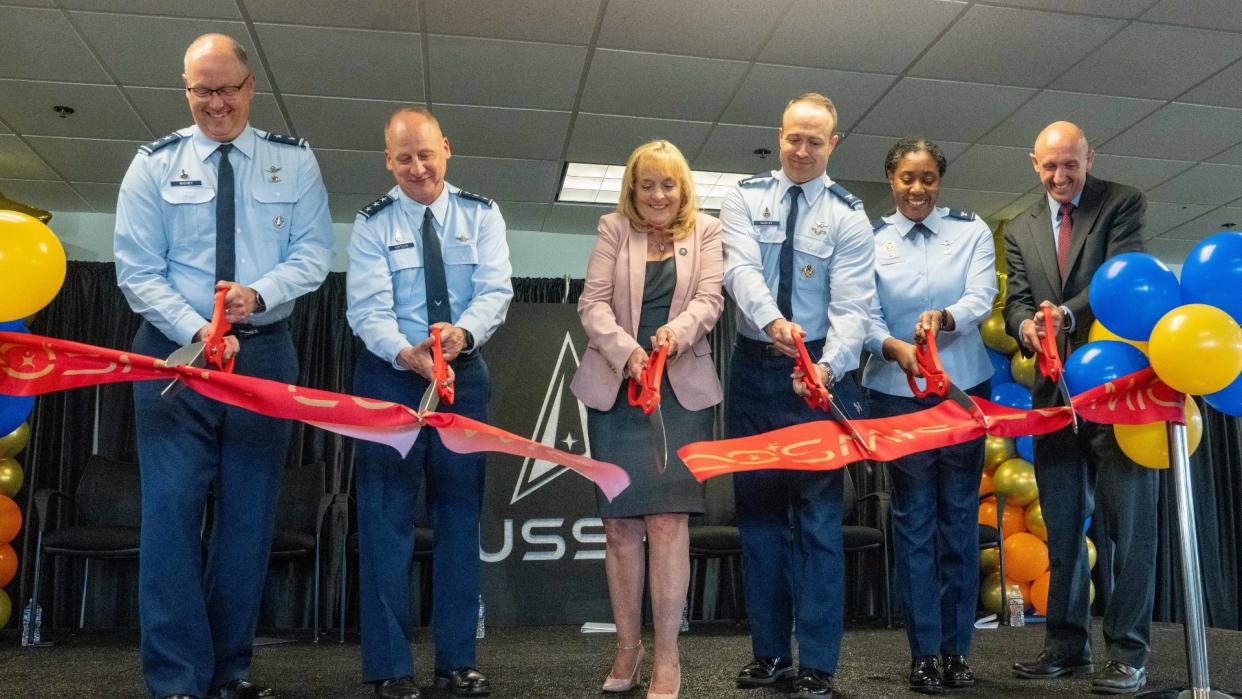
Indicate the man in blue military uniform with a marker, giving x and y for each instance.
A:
(799, 261)
(426, 254)
(216, 205)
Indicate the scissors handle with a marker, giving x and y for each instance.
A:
(644, 390)
(816, 394)
(439, 369)
(1049, 359)
(213, 343)
(936, 381)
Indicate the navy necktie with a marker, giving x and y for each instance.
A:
(920, 228)
(433, 274)
(226, 219)
(784, 286)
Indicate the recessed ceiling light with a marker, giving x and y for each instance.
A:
(591, 183)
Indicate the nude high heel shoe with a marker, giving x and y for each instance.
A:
(665, 695)
(614, 685)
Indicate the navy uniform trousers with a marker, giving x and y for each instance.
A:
(198, 618)
(387, 493)
(935, 510)
(793, 557)
(1089, 471)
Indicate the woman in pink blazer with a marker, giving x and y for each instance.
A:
(653, 279)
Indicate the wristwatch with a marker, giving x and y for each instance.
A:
(259, 305)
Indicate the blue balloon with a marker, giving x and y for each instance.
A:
(1000, 368)
(1086, 524)
(1212, 273)
(13, 411)
(1012, 395)
(14, 326)
(1227, 400)
(1098, 362)
(1026, 447)
(1131, 292)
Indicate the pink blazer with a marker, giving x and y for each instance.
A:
(612, 299)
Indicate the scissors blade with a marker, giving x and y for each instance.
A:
(1065, 395)
(430, 400)
(839, 416)
(960, 397)
(189, 355)
(659, 439)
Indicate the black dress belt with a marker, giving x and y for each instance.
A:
(243, 330)
(759, 348)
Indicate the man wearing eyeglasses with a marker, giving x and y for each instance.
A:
(218, 205)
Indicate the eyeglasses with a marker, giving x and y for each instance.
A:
(226, 92)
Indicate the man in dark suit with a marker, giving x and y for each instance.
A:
(1053, 248)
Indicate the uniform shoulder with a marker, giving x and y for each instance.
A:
(474, 197)
(283, 139)
(759, 178)
(877, 224)
(960, 214)
(376, 206)
(844, 195)
(159, 143)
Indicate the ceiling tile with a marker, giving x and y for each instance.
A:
(876, 196)
(354, 171)
(18, 161)
(101, 110)
(731, 148)
(1017, 206)
(575, 218)
(32, 3)
(394, 15)
(1107, 8)
(53, 196)
(506, 179)
(652, 84)
(166, 110)
(1143, 173)
(365, 63)
(1224, 88)
(42, 45)
(942, 110)
(861, 157)
(607, 138)
(101, 196)
(562, 21)
(1209, 14)
(993, 168)
(333, 122)
(5, 129)
(767, 89)
(96, 160)
(1233, 156)
(1136, 62)
(1180, 132)
(1171, 251)
(962, 54)
(984, 204)
(1163, 216)
(344, 208)
(693, 27)
(214, 9)
(1205, 183)
(523, 215)
(504, 133)
(149, 51)
(468, 70)
(869, 35)
(1196, 230)
(1101, 116)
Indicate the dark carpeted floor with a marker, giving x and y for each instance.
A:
(561, 662)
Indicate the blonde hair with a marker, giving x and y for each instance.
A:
(668, 160)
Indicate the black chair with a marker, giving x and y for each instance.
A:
(714, 536)
(859, 538)
(108, 513)
(299, 526)
(990, 537)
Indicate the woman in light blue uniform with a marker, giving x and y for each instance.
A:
(934, 271)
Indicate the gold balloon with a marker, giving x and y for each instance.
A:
(1099, 332)
(990, 592)
(1035, 521)
(1023, 369)
(6, 608)
(996, 451)
(994, 336)
(989, 560)
(12, 443)
(1148, 445)
(1002, 291)
(11, 477)
(1016, 480)
(1090, 552)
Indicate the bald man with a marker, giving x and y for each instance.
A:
(1053, 249)
(218, 205)
(425, 254)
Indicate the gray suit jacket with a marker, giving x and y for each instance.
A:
(1108, 221)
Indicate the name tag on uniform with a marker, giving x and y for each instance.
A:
(402, 246)
(186, 183)
(765, 223)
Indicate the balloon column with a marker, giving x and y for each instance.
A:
(32, 269)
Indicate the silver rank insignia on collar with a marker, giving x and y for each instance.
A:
(278, 222)
(820, 228)
(184, 175)
(808, 271)
(890, 247)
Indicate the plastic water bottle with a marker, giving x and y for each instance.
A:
(478, 633)
(32, 622)
(1016, 611)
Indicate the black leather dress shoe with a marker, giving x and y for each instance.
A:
(925, 675)
(1047, 666)
(241, 689)
(765, 671)
(812, 684)
(1119, 678)
(466, 681)
(955, 672)
(397, 688)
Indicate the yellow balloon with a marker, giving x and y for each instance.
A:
(11, 477)
(1035, 521)
(12, 443)
(989, 560)
(1015, 479)
(996, 451)
(1196, 349)
(1023, 369)
(1090, 552)
(1148, 445)
(1099, 332)
(6, 608)
(990, 592)
(994, 335)
(1002, 291)
(32, 265)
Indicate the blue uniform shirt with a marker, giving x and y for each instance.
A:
(387, 291)
(165, 244)
(833, 257)
(953, 269)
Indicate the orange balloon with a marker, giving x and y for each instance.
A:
(10, 519)
(987, 486)
(8, 564)
(1039, 593)
(1026, 557)
(1012, 521)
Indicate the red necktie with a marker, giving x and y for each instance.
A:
(1063, 237)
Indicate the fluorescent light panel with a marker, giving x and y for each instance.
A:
(591, 183)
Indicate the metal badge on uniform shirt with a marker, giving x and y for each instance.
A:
(820, 228)
(948, 249)
(272, 170)
(767, 213)
(890, 247)
(278, 222)
(397, 237)
(462, 237)
(808, 271)
(184, 175)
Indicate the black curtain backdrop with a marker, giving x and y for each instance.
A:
(67, 427)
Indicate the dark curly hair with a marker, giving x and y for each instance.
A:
(913, 144)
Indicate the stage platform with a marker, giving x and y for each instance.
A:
(561, 662)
